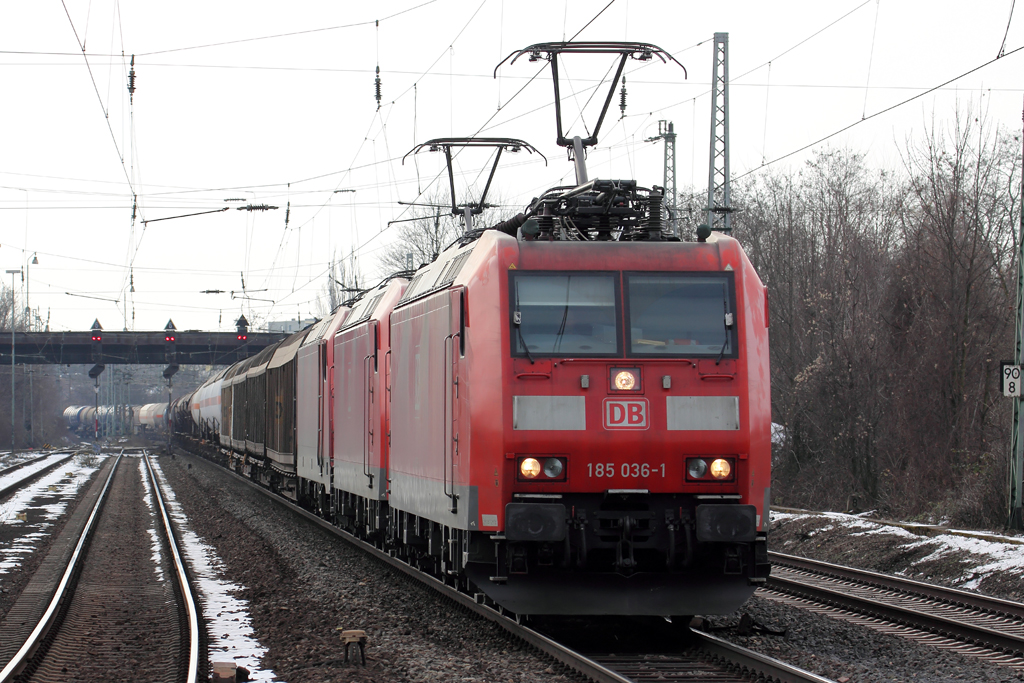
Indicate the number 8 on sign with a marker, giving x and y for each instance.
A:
(1011, 379)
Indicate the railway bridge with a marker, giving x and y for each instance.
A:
(169, 347)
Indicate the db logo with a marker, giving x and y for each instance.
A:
(630, 414)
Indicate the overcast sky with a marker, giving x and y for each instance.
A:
(274, 103)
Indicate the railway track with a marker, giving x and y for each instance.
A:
(111, 601)
(707, 659)
(657, 651)
(969, 623)
(692, 654)
(13, 468)
(11, 482)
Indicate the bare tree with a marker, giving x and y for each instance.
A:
(343, 281)
(8, 316)
(820, 242)
(432, 229)
(953, 312)
(891, 303)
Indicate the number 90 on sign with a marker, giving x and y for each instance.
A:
(1010, 375)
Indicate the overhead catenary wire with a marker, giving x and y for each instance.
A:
(623, 140)
(377, 161)
(875, 115)
(733, 79)
(248, 232)
(429, 68)
(106, 116)
(290, 34)
(491, 118)
(871, 55)
(349, 169)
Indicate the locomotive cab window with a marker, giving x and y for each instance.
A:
(681, 314)
(566, 314)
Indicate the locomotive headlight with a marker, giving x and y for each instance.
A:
(529, 468)
(721, 469)
(696, 468)
(625, 379)
(553, 468)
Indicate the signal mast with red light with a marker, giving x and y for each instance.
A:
(242, 325)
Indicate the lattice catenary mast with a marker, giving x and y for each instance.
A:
(718, 166)
(666, 132)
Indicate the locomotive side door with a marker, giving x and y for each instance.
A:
(371, 462)
(453, 347)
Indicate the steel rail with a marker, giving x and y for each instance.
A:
(12, 468)
(951, 627)
(705, 660)
(63, 592)
(32, 477)
(183, 582)
(773, 669)
(779, 671)
(954, 596)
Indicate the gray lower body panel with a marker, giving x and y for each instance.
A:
(426, 498)
(314, 469)
(351, 477)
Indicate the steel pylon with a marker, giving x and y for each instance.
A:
(718, 165)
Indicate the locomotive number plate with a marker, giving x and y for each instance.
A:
(626, 470)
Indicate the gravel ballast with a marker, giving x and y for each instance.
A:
(839, 650)
(302, 583)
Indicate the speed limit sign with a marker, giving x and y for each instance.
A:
(1010, 375)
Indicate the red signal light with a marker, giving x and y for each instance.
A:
(97, 337)
(242, 337)
(169, 338)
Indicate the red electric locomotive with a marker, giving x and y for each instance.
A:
(583, 427)
(580, 404)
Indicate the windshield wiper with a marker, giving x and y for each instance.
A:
(728, 326)
(517, 319)
(565, 315)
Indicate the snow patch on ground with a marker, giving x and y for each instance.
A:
(8, 459)
(988, 554)
(230, 627)
(28, 470)
(66, 482)
(154, 537)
